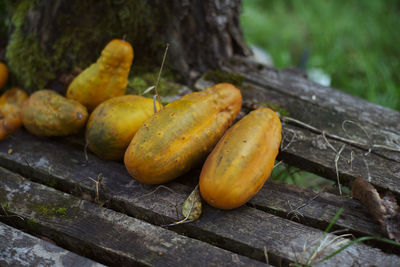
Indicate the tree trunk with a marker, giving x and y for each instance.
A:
(50, 37)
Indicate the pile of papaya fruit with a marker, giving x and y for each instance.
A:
(156, 143)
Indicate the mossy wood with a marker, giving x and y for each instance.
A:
(112, 238)
(64, 167)
(49, 38)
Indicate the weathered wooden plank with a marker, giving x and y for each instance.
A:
(20, 249)
(315, 209)
(112, 237)
(298, 86)
(246, 230)
(336, 122)
(309, 151)
(327, 109)
(65, 170)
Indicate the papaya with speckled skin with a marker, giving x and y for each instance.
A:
(112, 125)
(10, 111)
(47, 113)
(181, 135)
(105, 79)
(242, 161)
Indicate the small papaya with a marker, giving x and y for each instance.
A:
(47, 113)
(10, 111)
(106, 78)
(3, 74)
(112, 125)
(242, 160)
(182, 134)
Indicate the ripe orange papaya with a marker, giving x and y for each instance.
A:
(10, 111)
(114, 122)
(3, 74)
(242, 160)
(182, 134)
(106, 78)
(47, 113)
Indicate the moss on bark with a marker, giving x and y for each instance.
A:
(37, 54)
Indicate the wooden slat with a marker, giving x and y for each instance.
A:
(247, 231)
(69, 161)
(315, 209)
(333, 121)
(322, 107)
(109, 236)
(20, 249)
(309, 151)
(298, 86)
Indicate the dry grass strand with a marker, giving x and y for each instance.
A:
(337, 157)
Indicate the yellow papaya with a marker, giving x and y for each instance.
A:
(10, 111)
(242, 160)
(106, 78)
(114, 122)
(182, 134)
(47, 113)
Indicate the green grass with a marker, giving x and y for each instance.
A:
(355, 42)
(293, 175)
(327, 244)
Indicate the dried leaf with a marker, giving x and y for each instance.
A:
(385, 210)
(191, 208)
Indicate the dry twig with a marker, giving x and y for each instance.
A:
(159, 73)
(85, 151)
(296, 210)
(369, 145)
(266, 255)
(98, 183)
(337, 169)
(155, 190)
(8, 215)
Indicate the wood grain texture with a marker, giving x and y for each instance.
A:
(310, 152)
(322, 107)
(111, 237)
(297, 85)
(246, 230)
(21, 249)
(314, 208)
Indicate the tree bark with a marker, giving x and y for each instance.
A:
(49, 38)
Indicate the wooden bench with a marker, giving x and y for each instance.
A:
(45, 191)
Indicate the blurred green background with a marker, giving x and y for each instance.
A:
(356, 43)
